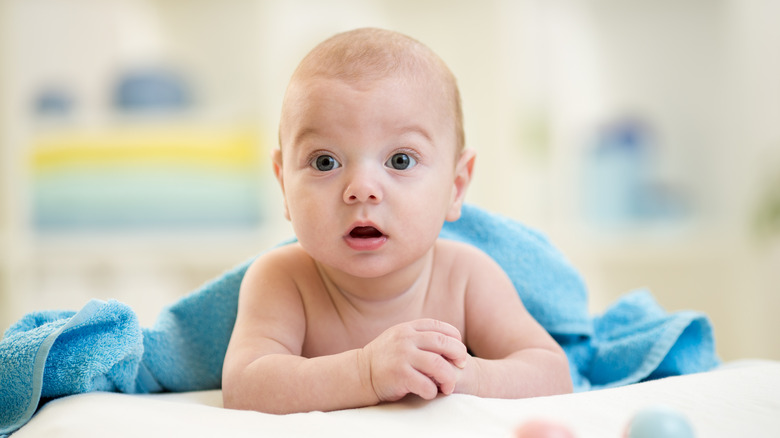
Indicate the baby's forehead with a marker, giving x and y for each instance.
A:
(394, 102)
(308, 97)
(376, 57)
(399, 81)
(406, 73)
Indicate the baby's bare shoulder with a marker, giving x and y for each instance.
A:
(470, 264)
(461, 254)
(281, 266)
(283, 258)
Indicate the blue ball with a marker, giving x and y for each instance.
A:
(660, 422)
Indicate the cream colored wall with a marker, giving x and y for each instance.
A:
(537, 79)
(4, 183)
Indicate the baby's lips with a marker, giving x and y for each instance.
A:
(365, 232)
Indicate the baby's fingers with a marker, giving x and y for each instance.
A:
(448, 347)
(434, 325)
(438, 370)
(423, 385)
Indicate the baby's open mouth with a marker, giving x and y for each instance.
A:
(365, 238)
(365, 233)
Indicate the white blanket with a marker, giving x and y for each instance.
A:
(734, 401)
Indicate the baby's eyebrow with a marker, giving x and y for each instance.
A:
(304, 133)
(416, 129)
(412, 129)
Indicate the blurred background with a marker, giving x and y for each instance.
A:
(641, 136)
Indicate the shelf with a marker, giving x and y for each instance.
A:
(192, 247)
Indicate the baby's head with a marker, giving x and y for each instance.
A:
(367, 55)
(371, 158)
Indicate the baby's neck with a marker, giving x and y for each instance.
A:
(397, 293)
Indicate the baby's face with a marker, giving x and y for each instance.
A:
(368, 171)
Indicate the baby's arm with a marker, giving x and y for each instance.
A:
(264, 369)
(515, 357)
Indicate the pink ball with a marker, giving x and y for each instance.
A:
(542, 429)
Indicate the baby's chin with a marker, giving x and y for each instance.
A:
(375, 265)
(367, 269)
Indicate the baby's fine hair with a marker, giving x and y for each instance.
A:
(374, 54)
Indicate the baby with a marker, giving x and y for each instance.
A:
(370, 305)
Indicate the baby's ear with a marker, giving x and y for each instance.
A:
(463, 172)
(276, 159)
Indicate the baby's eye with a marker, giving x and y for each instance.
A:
(325, 163)
(401, 161)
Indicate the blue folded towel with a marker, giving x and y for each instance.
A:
(102, 347)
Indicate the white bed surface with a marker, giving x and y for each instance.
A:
(736, 401)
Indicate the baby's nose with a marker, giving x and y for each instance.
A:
(363, 186)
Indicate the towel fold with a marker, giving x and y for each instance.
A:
(636, 340)
(103, 348)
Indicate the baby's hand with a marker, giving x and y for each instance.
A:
(420, 357)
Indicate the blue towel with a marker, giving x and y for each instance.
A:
(102, 347)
